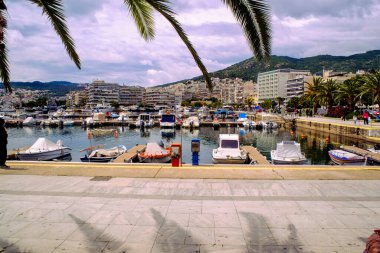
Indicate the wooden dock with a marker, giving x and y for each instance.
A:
(359, 151)
(255, 156)
(130, 154)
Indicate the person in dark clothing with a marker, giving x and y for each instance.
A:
(3, 144)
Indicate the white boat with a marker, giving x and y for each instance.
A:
(104, 155)
(50, 122)
(375, 149)
(29, 121)
(288, 152)
(154, 153)
(268, 124)
(146, 118)
(342, 157)
(68, 122)
(193, 120)
(229, 150)
(167, 121)
(249, 124)
(44, 150)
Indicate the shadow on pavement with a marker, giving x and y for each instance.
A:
(4, 245)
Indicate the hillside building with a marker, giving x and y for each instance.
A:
(100, 92)
(131, 95)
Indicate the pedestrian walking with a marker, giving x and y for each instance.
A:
(3, 144)
(365, 117)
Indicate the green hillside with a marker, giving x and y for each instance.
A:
(248, 69)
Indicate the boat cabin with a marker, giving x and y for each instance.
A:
(229, 141)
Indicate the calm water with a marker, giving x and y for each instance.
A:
(314, 146)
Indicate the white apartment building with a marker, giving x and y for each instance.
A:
(101, 92)
(295, 87)
(272, 84)
(131, 95)
(157, 97)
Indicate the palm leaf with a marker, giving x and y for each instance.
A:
(4, 64)
(142, 13)
(163, 8)
(254, 17)
(54, 11)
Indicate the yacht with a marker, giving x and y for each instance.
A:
(146, 118)
(288, 152)
(167, 121)
(229, 151)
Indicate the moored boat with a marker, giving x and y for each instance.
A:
(154, 153)
(191, 122)
(343, 157)
(104, 155)
(288, 152)
(44, 150)
(29, 121)
(167, 121)
(229, 151)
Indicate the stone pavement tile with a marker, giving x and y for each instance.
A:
(87, 232)
(59, 231)
(252, 220)
(218, 206)
(288, 236)
(375, 204)
(223, 248)
(127, 190)
(229, 236)
(362, 211)
(200, 236)
(79, 247)
(375, 209)
(33, 230)
(11, 227)
(343, 204)
(259, 236)
(203, 220)
(113, 233)
(226, 220)
(303, 221)
(275, 220)
(144, 205)
(31, 215)
(176, 219)
(144, 234)
(322, 249)
(34, 245)
(251, 206)
(103, 217)
(171, 235)
(328, 221)
(317, 237)
(344, 237)
(92, 200)
(151, 218)
(121, 205)
(354, 249)
(118, 247)
(372, 220)
(353, 221)
(5, 243)
(68, 215)
(126, 218)
(185, 206)
(54, 205)
(272, 249)
(174, 248)
(221, 189)
(158, 184)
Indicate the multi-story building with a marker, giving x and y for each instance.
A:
(131, 95)
(158, 97)
(100, 92)
(76, 98)
(295, 87)
(272, 84)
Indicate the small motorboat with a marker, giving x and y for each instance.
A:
(68, 122)
(155, 153)
(249, 124)
(229, 151)
(191, 122)
(144, 120)
(168, 121)
(342, 157)
(103, 155)
(44, 150)
(268, 124)
(288, 152)
(29, 121)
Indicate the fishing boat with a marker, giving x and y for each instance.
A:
(191, 122)
(103, 155)
(145, 120)
(167, 121)
(343, 157)
(44, 150)
(288, 152)
(155, 153)
(229, 151)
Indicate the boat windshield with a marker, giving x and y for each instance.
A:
(229, 144)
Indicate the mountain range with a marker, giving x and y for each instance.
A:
(57, 88)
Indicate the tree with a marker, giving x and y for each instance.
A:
(294, 102)
(371, 86)
(253, 16)
(349, 92)
(115, 104)
(312, 91)
(266, 104)
(326, 93)
(280, 100)
(249, 101)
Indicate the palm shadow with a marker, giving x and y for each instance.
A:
(259, 236)
(5, 245)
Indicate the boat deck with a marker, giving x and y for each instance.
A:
(255, 155)
(130, 154)
(359, 151)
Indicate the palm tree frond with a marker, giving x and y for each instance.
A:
(142, 13)
(4, 64)
(54, 11)
(163, 8)
(254, 17)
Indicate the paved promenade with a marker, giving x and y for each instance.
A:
(359, 123)
(103, 214)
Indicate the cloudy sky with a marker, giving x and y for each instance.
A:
(111, 49)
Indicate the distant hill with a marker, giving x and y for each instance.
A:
(58, 88)
(248, 69)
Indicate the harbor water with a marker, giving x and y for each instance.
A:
(315, 147)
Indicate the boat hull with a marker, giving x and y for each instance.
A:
(87, 159)
(44, 156)
(228, 161)
(164, 159)
(277, 160)
(345, 161)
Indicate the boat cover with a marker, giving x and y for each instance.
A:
(28, 120)
(288, 149)
(111, 152)
(153, 148)
(43, 144)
